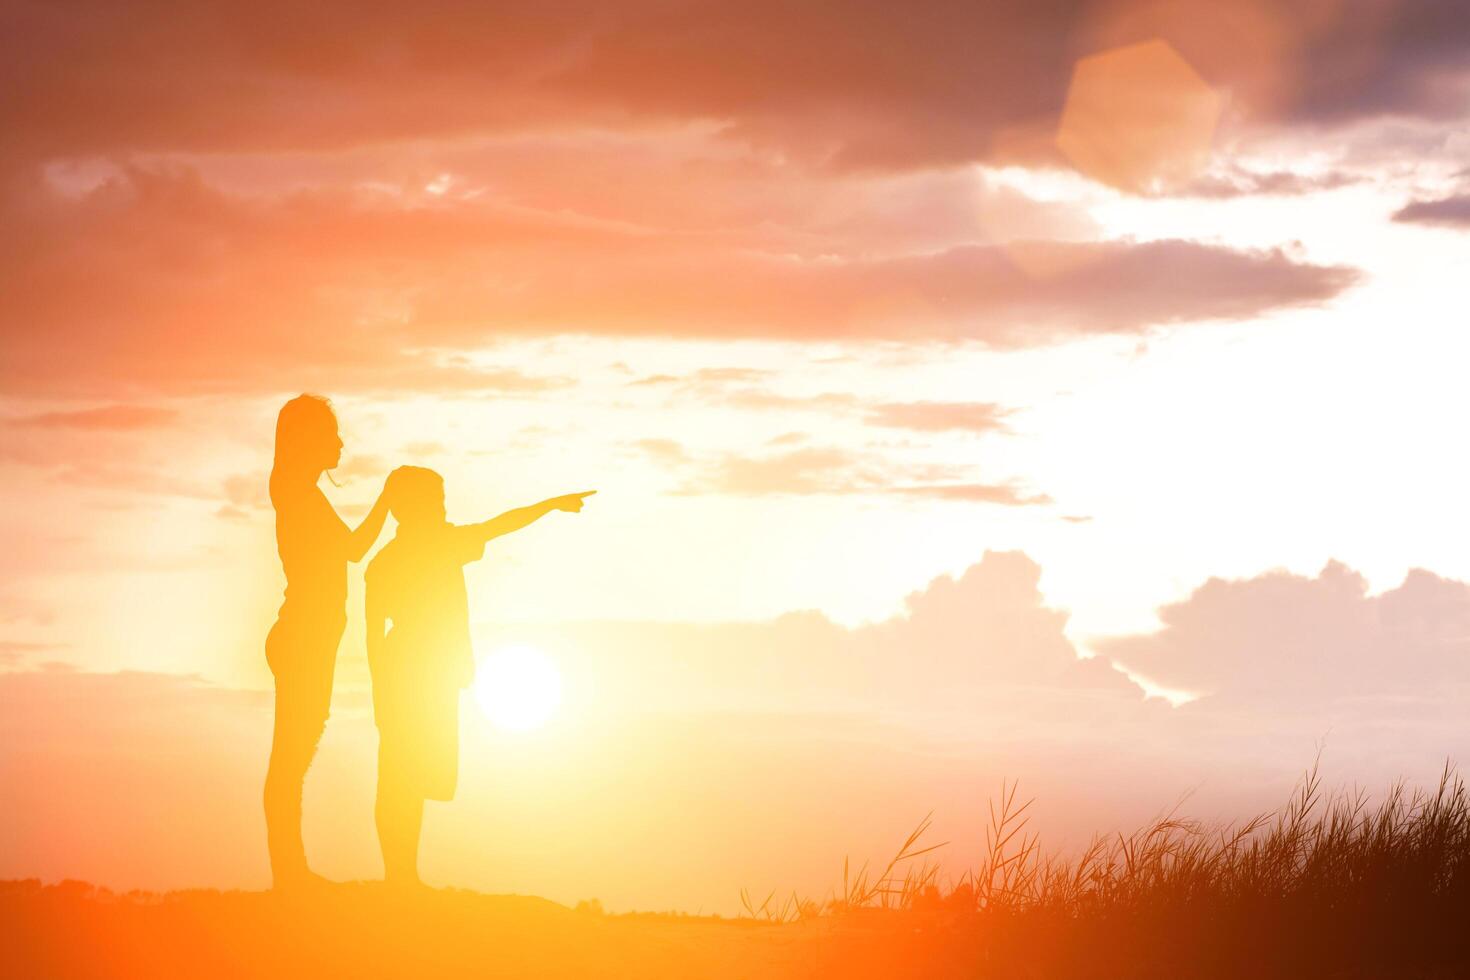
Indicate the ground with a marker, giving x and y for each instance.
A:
(364, 930)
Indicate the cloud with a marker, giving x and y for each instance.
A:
(322, 291)
(654, 379)
(703, 379)
(684, 715)
(421, 372)
(244, 490)
(669, 452)
(765, 399)
(107, 418)
(1284, 660)
(1237, 182)
(1280, 639)
(980, 493)
(21, 609)
(15, 651)
(920, 416)
(870, 85)
(1370, 60)
(1452, 212)
(801, 471)
(971, 292)
(991, 626)
(975, 417)
(828, 470)
(788, 439)
(229, 218)
(108, 448)
(155, 280)
(941, 416)
(975, 656)
(974, 680)
(424, 448)
(365, 465)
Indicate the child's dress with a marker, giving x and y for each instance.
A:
(417, 582)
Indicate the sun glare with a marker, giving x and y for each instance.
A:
(518, 688)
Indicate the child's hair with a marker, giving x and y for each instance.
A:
(415, 493)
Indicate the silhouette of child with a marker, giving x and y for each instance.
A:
(419, 666)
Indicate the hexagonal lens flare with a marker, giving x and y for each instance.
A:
(1139, 118)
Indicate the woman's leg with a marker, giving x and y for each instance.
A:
(303, 674)
(293, 745)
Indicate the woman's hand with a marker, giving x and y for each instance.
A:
(360, 540)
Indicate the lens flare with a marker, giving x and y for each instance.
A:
(518, 688)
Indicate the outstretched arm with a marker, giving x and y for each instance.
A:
(514, 520)
(361, 540)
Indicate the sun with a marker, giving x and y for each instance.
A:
(518, 688)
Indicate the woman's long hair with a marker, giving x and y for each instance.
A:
(301, 428)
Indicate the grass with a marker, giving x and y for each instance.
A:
(1328, 885)
(1342, 886)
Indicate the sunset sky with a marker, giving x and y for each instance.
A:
(1071, 392)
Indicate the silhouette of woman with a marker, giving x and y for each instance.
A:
(315, 547)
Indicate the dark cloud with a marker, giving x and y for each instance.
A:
(1452, 212)
(859, 84)
(1371, 59)
(223, 197)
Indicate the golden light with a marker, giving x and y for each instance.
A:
(518, 688)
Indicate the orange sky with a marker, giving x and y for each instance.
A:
(916, 351)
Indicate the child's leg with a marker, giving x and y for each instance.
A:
(399, 821)
(413, 825)
(399, 814)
